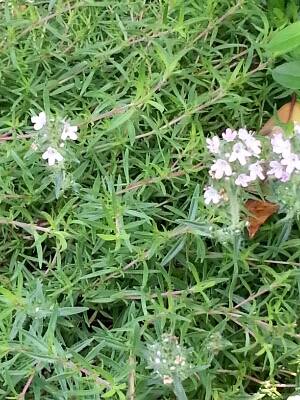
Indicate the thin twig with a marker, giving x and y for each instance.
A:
(215, 23)
(52, 262)
(149, 181)
(219, 94)
(244, 327)
(24, 225)
(173, 293)
(26, 387)
(251, 378)
(131, 388)
(148, 38)
(114, 111)
(51, 16)
(27, 136)
(86, 372)
(254, 296)
(131, 264)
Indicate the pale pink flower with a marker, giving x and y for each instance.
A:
(281, 146)
(292, 162)
(285, 176)
(211, 195)
(276, 169)
(213, 144)
(239, 153)
(256, 171)
(243, 134)
(242, 180)
(229, 135)
(221, 167)
(253, 145)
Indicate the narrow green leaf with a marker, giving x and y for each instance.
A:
(73, 71)
(120, 119)
(174, 250)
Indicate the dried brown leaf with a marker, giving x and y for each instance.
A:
(261, 211)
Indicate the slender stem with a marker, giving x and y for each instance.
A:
(298, 378)
(234, 206)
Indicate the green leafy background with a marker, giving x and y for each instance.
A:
(88, 280)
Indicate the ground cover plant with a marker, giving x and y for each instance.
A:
(112, 284)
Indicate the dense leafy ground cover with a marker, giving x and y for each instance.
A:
(105, 279)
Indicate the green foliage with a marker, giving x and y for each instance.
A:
(285, 41)
(101, 257)
(288, 75)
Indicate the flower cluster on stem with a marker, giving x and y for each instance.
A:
(51, 136)
(167, 358)
(237, 160)
(242, 161)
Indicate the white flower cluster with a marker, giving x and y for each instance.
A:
(51, 153)
(238, 159)
(287, 161)
(167, 358)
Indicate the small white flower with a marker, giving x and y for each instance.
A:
(242, 180)
(253, 145)
(292, 162)
(157, 360)
(39, 121)
(281, 146)
(221, 167)
(276, 169)
(213, 145)
(211, 195)
(69, 131)
(239, 153)
(243, 134)
(172, 368)
(52, 155)
(37, 309)
(296, 128)
(62, 145)
(229, 135)
(256, 171)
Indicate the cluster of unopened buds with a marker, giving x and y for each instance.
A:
(167, 358)
(238, 160)
(48, 128)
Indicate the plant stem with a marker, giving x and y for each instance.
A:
(234, 206)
